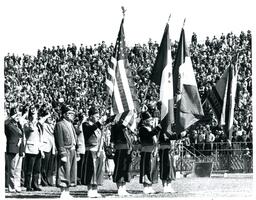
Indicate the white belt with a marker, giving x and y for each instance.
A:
(147, 148)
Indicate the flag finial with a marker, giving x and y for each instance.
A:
(123, 10)
(169, 18)
(184, 22)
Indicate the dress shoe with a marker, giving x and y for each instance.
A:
(151, 190)
(65, 195)
(146, 190)
(18, 190)
(170, 189)
(29, 189)
(93, 194)
(44, 183)
(37, 189)
(11, 190)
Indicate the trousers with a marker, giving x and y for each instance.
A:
(14, 164)
(32, 170)
(67, 171)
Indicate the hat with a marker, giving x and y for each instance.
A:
(13, 111)
(67, 108)
(93, 111)
(145, 115)
(42, 112)
(30, 113)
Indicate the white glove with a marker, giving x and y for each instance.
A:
(144, 108)
(103, 119)
(78, 157)
(64, 159)
(183, 133)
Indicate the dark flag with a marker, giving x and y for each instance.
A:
(188, 103)
(222, 98)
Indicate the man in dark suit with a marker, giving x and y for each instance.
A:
(14, 150)
(66, 140)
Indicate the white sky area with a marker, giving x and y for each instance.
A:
(29, 25)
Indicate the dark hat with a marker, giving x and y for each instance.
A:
(13, 111)
(66, 108)
(42, 112)
(93, 111)
(145, 115)
(30, 113)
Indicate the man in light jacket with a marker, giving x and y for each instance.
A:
(66, 141)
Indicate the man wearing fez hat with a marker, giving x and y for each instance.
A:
(14, 150)
(92, 175)
(166, 161)
(66, 141)
(148, 161)
(121, 140)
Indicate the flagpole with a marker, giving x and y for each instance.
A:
(149, 82)
(169, 18)
(123, 11)
(184, 22)
(108, 102)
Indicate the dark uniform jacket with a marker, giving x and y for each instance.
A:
(90, 136)
(146, 135)
(14, 136)
(120, 136)
(164, 138)
(117, 134)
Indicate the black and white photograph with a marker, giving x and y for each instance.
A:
(127, 99)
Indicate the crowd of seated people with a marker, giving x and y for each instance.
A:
(77, 74)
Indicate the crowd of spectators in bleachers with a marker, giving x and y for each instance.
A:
(76, 74)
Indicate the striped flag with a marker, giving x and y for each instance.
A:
(222, 98)
(188, 103)
(162, 75)
(120, 84)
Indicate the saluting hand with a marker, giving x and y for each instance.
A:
(103, 119)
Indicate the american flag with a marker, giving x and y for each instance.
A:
(120, 84)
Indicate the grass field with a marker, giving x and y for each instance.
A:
(191, 187)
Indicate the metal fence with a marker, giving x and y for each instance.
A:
(230, 157)
(234, 157)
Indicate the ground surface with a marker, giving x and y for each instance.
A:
(232, 186)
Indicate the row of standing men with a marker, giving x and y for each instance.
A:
(36, 137)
